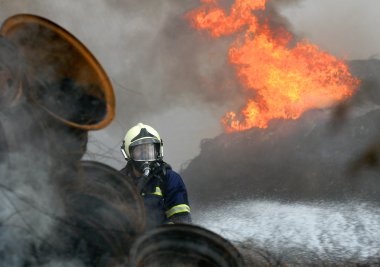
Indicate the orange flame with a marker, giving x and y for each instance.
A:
(287, 80)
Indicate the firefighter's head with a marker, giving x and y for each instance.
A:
(142, 146)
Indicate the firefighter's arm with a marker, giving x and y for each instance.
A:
(176, 200)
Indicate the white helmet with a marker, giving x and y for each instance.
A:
(142, 143)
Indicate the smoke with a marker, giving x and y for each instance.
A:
(29, 209)
(320, 156)
(156, 62)
(344, 28)
(30, 203)
(159, 65)
(28, 196)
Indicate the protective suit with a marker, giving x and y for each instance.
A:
(163, 190)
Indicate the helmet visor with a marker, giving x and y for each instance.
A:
(144, 152)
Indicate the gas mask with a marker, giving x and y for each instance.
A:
(144, 156)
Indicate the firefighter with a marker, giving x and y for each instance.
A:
(163, 191)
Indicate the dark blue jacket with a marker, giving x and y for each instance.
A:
(164, 194)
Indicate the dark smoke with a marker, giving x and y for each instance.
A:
(321, 156)
(179, 65)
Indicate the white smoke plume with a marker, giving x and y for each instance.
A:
(30, 207)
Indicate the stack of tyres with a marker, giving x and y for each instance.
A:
(104, 212)
(52, 92)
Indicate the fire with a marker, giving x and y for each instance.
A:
(287, 79)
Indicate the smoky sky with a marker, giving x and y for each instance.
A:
(344, 28)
